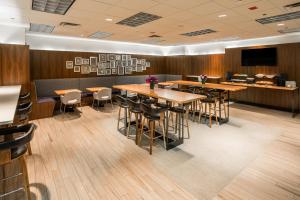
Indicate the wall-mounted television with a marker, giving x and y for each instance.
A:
(259, 57)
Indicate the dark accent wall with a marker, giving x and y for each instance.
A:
(52, 64)
(14, 65)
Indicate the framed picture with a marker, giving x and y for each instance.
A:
(124, 63)
(118, 63)
(128, 70)
(147, 64)
(78, 61)
(139, 62)
(129, 63)
(93, 61)
(111, 57)
(128, 57)
(114, 71)
(85, 61)
(124, 57)
(143, 62)
(139, 68)
(69, 64)
(112, 64)
(93, 68)
(85, 69)
(102, 65)
(134, 61)
(144, 67)
(118, 57)
(121, 70)
(100, 72)
(134, 68)
(102, 57)
(107, 71)
(76, 68)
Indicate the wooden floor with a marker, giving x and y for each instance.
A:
(82, 156)
(276, 173)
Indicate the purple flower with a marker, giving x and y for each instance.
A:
(203, 77)
(151, 79)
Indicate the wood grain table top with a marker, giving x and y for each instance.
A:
(95, 89)
(260, 86)
(166, 83)
(63, 92)
(231, 88)
(9, 96)
(166, 94)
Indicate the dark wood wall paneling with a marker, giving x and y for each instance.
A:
(52, 64)
(14, 65)
(219, 64)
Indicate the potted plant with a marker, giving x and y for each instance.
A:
(203, 78)
(152, 80)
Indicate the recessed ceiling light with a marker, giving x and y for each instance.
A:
(281, 24)
(109, 19)
(220, 16)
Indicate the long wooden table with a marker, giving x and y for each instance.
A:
(63, 92)
(221, 87)
(181, 98)
(294, 90)
(9, 96)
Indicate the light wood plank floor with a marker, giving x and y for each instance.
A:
(255, 156)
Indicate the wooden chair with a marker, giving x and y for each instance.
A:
(14, 149)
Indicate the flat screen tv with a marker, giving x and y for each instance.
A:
(259, 57)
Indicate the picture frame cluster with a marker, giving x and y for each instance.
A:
(108, 64)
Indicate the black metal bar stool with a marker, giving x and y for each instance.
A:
(123, 104)
(181, 118)
(135, 108)
(210, 105)
(15, 149)
(23, 111)
(152, 115)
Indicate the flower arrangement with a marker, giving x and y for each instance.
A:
(152, 80)
(203, 78)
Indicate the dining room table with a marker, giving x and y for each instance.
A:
(170, 96)
(64, 91)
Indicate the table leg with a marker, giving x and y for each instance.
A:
(220, 112)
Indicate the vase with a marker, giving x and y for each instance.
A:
(152, 85)
(203, 82)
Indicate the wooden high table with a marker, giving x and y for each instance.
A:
(222, 87)
(63, 92)
(95, 89)
(181, 98)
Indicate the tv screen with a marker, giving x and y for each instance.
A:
(259, 57)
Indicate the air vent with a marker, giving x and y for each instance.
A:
(154, 36)
(201, 32)
(139, 19)
(68, 24)
(289, 30)
(100, 35)
(52, 6)
(42, 28)
(279, 18)
(294, 5)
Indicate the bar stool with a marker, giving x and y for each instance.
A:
(211, 103)
(123, 104)
(221, 101)
(135, 108)
(152, 115)
(181, 118)
(23, 111)
(15, 149)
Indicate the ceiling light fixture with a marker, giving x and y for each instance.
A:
(56, 7)
(281, 24)
(221, 16)
(108, 19)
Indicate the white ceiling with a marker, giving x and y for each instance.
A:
(178, 16)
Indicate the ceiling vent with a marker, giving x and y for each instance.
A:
(139, 19)
(42, 28)
(52, 6)
(201, 32)
(279, 18)
(68, 24)
(99, 35)
(294, 5)
(289, 30)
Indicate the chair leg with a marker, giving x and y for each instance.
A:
(93, 103)
(60, 108)
(141, 132)
(136, 127)
(25, 177)
(29, 149)
(112, 105)
(164, 134)
(176, 123)
(210, 115)
(129, 122)
(224, 107)
(215, 111)
(187, 125)
(119, 114)
(152, 124)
